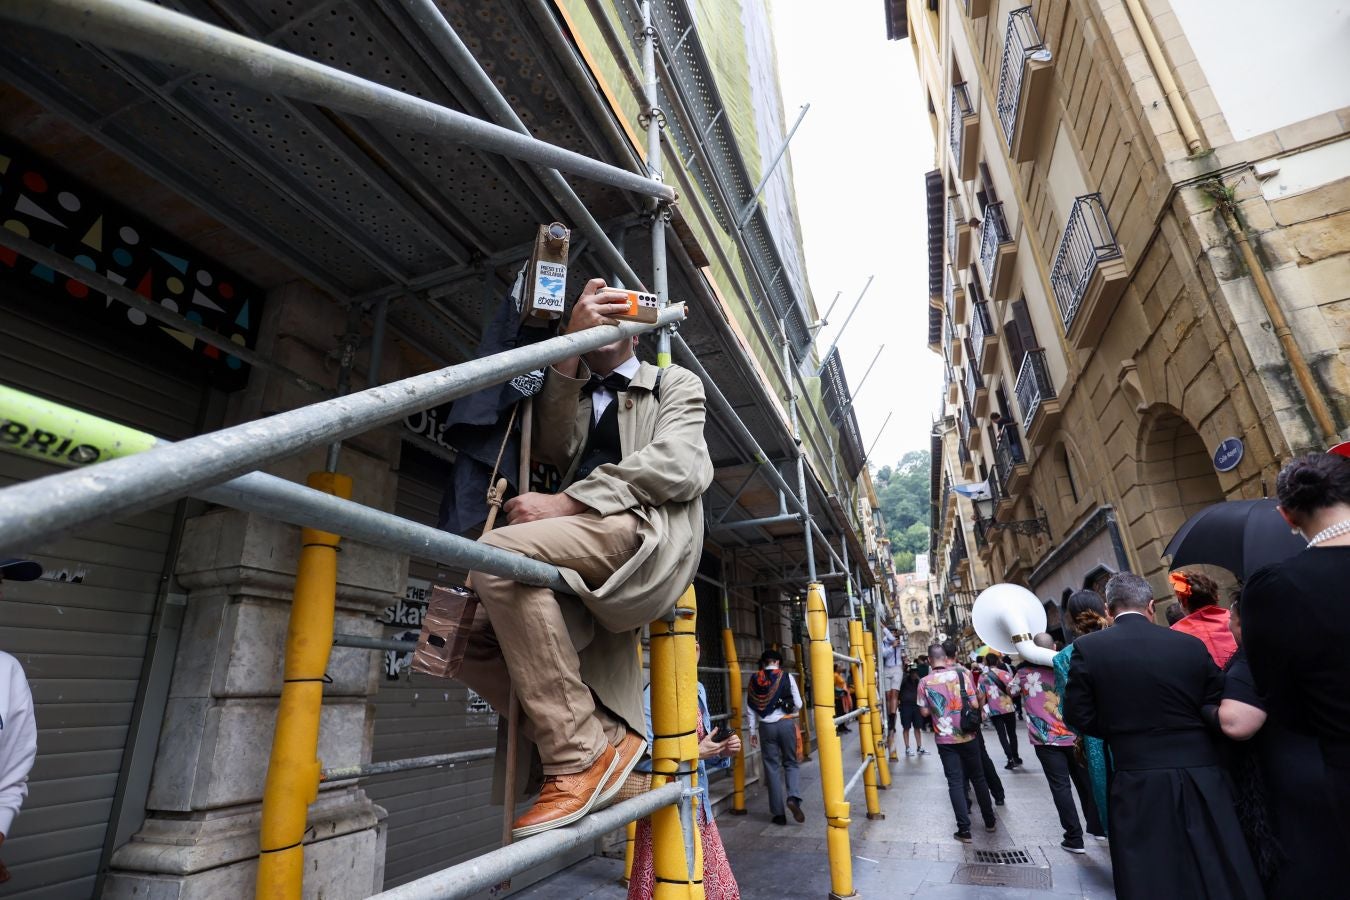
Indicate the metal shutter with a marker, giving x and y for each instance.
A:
(437, 817)
(81, 632)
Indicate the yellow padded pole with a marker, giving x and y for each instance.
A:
(870, 663)
(293, 768)
(827, 744)
(802, 714)
(867, 744)
(630, 830)
(679, 875)
(735, 722)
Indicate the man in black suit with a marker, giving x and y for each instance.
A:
(1143, 689)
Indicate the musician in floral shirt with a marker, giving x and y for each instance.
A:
(994, 682)
(1054, 745)
(939, 699)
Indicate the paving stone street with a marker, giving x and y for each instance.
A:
(909, 854)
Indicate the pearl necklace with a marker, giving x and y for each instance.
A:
(1331, 531)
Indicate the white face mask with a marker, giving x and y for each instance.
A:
(771, 667)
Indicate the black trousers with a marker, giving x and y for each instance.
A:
(961, 763)
(1006, 727)
(1062, 768)
(990, 771)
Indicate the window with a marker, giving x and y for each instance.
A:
(1066, 470)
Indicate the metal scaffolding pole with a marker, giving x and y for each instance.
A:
(36, 511)
(482, 872)
(144, 29)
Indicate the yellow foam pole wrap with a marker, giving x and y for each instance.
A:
(630, 830)
(800, 656)
(678, 865)
(867, 744)
(827, 744)
(293, 768)
(736, 720)
(870, 664)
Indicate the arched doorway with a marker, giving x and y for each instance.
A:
(1177, 478)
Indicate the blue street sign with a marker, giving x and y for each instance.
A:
(1228, 454)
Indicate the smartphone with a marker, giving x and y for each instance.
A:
(721, 734)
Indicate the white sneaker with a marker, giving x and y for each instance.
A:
(909, 752)
(923, 752)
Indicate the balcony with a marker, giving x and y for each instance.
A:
(983, 338)
(967, 464)
(976, 392)
(934, 328)
(998, 253)
(1089, 274)
(1036, 399)
(951, 343)
(1023, 84)
(1003, 500)
(949, 393)
(973, 433)
(1010, 459)
(958, 234)
(954, 295)
(964, 133)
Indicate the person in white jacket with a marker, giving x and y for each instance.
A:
(18, 730)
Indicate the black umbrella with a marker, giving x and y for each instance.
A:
(1238, 535)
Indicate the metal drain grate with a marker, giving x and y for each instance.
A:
(1003, 876)
(1002, 857)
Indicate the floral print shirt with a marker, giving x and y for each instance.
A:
(1040, 704)
(998, 695)
(940, 694)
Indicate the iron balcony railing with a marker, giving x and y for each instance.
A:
(1088, 242)
(981, 326)
(961, 107)
(963, 452)
(1008, 451)
(974, 380)
(953, 219)
(948, 337)
(1022, 41)
(1033, 385)
(949, 292)
(997, 491)
(994, 233)
(963, 428)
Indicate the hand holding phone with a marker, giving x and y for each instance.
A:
(721, 734)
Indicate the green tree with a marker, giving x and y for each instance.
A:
(902, 493)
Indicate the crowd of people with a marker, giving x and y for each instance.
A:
(1213, 753)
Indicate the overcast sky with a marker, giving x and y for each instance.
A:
(858, 163)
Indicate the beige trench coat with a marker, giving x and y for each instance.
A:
(661, 478)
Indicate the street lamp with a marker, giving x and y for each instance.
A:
(984, 510)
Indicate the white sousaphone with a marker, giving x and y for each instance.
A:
(1007, 617)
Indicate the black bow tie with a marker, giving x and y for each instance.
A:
(613, 382)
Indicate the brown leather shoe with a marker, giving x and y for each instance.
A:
(566, 798)
(630, 751)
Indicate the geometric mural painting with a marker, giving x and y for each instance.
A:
(41, 203)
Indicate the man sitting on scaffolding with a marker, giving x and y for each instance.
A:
(626, 530)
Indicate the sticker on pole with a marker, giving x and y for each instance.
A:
(45, 430)
(550, 285)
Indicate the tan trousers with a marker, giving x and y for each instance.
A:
(528, 638)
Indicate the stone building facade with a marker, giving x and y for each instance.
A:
(1139, 275)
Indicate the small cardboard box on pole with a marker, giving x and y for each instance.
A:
(546, 276)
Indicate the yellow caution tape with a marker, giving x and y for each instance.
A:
(49, 431)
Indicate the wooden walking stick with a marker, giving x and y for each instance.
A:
(526, 409)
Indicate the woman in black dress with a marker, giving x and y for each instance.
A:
(1280, 785)
(1297, 624)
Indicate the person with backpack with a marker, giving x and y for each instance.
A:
(996, 682)
(948, 698)
(771, 703)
